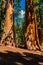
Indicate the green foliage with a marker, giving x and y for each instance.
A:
(19, 29)
(36, 1)
(19, 32)
(2, 17)
(41, 1)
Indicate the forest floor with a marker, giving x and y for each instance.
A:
(17, 56)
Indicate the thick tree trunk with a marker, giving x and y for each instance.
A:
(7, 37)
(31, 33)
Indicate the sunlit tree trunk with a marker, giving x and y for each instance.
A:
(8, 36)
(31, 32)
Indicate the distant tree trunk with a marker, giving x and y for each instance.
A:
(31, 32)
(8, 36)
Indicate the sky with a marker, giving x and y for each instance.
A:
(22, 4)
(22, 11)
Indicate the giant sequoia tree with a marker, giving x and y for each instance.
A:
(7, 37)
(31, 32)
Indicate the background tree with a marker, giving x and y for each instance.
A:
(19, 23)
(16, 19)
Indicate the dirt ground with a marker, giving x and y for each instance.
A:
(17, 56)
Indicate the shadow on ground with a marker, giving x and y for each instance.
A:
(13, 58)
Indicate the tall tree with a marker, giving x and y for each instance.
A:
(8, 36)
(31, 34)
